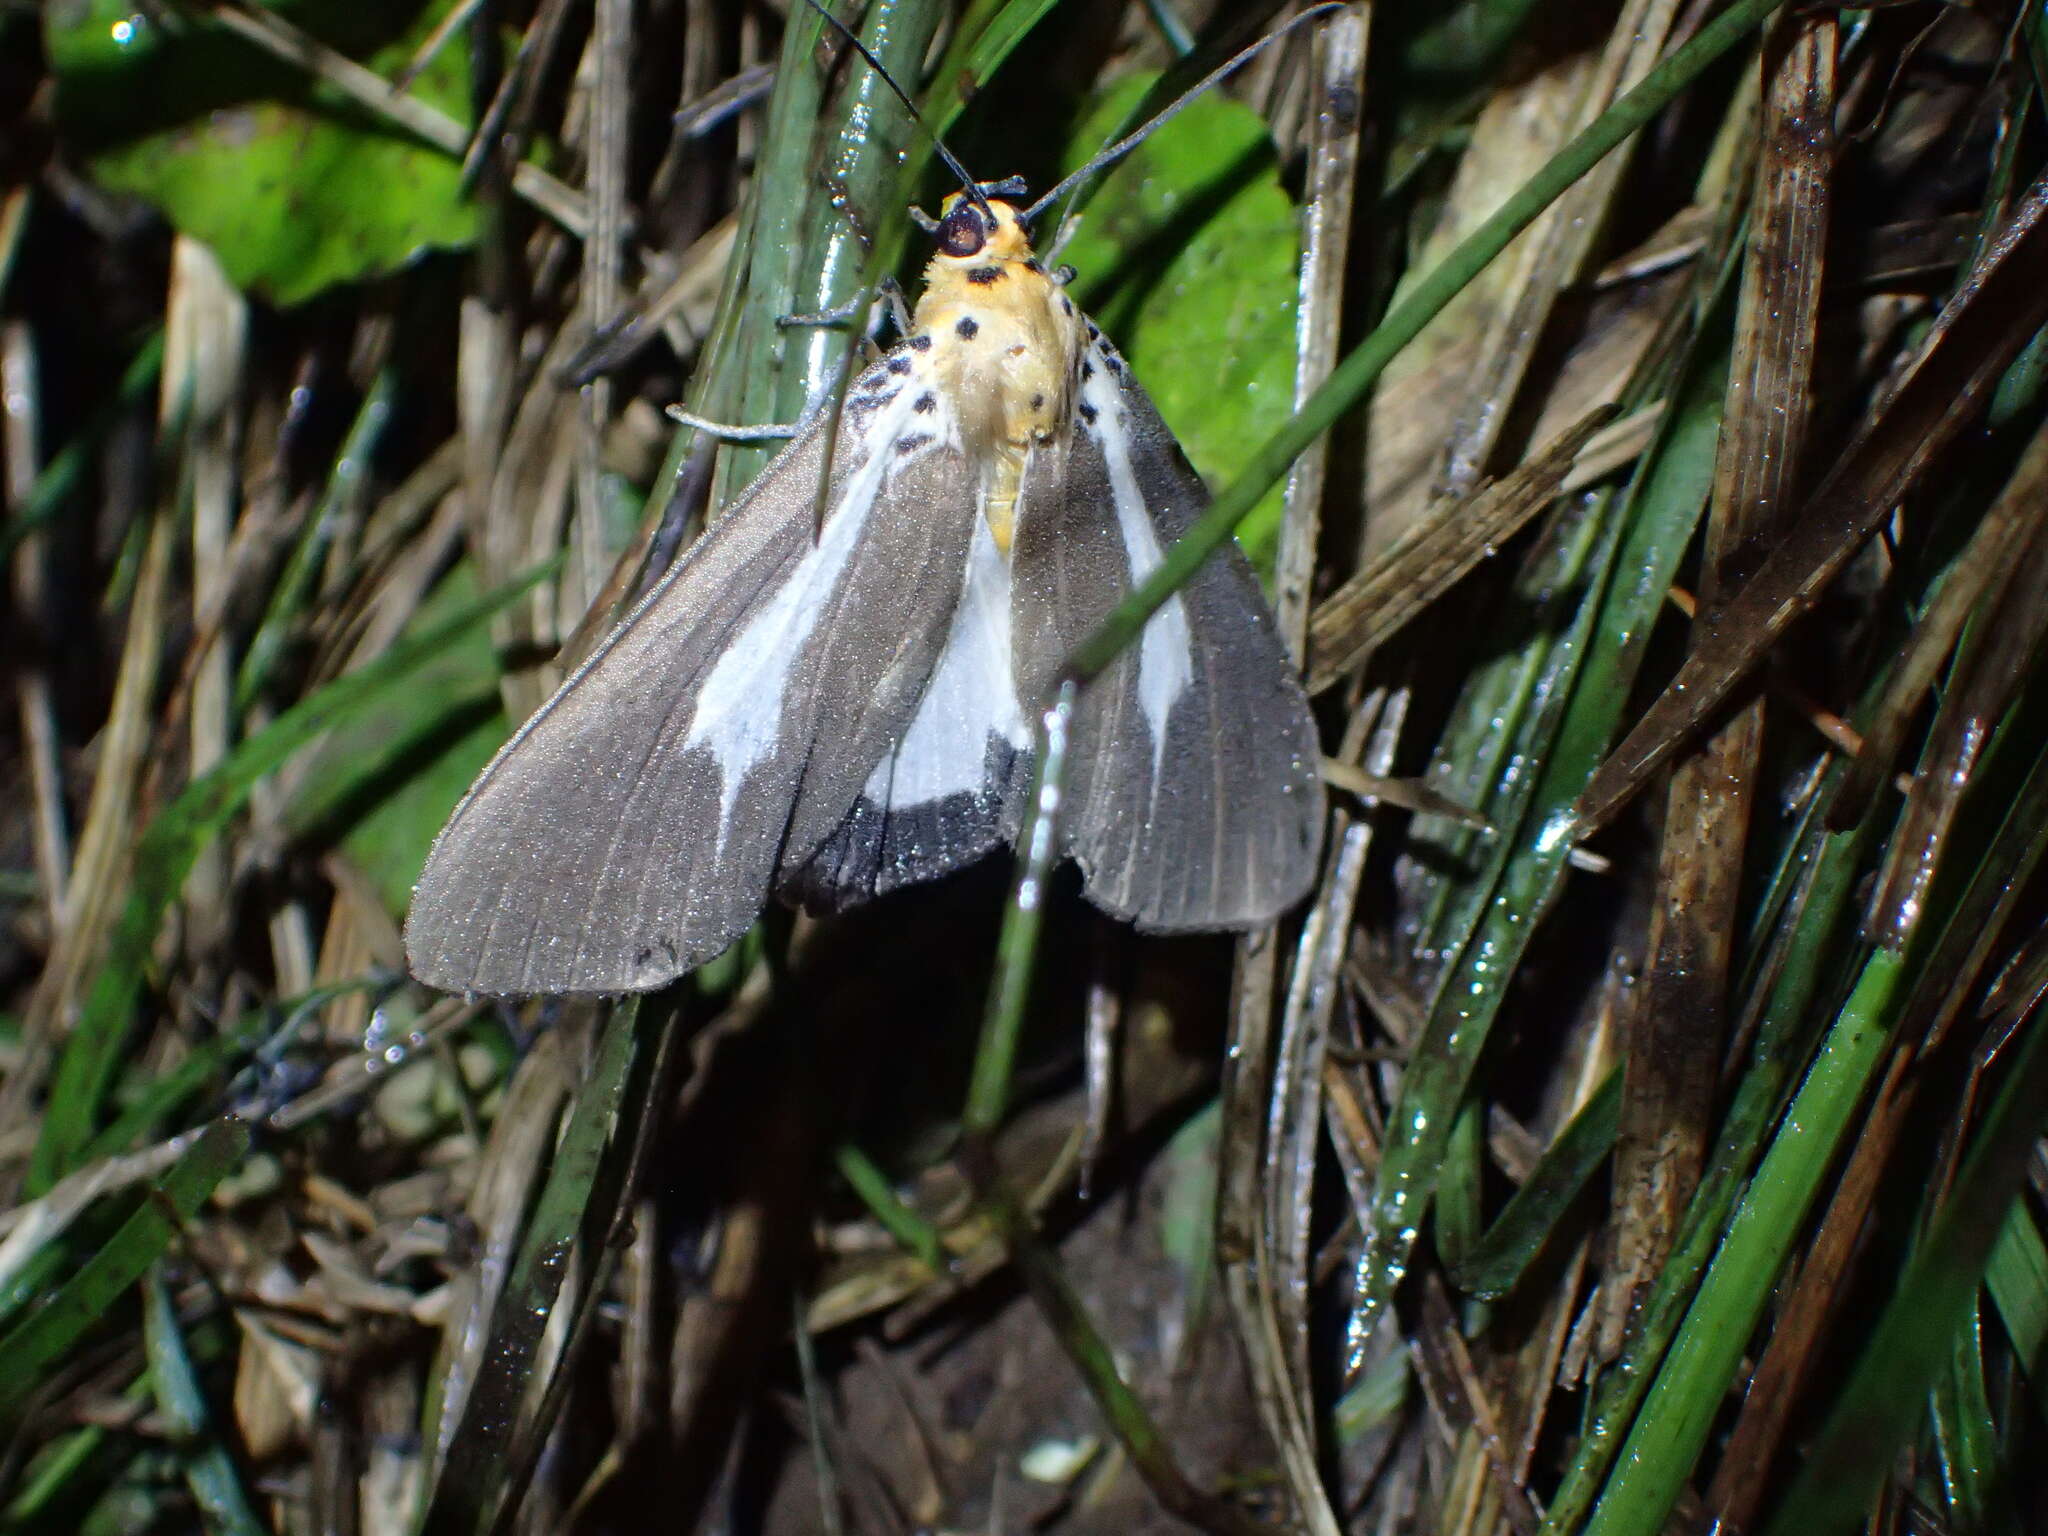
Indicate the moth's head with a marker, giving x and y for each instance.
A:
(982, 228)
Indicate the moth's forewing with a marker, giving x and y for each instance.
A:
(950, 789)
(633, 828)
(1193, 798)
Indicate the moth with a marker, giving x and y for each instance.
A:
(827, 706)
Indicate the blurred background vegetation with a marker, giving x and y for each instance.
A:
(1637, 410)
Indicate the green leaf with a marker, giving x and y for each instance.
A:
(293, 186)
(1186, 256)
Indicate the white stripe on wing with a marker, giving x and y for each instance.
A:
(739, 707)
(1166, 666)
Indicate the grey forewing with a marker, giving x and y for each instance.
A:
(593, 854)
(1218, 824)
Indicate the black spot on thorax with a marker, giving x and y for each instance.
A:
(920, 343)
(911, 442)
(984, 277)
(924, 402)
(967, 329)
(899, 364)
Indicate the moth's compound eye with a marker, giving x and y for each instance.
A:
(963, 232)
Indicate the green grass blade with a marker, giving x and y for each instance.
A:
(472, 1485)
(988, 1092)
(987, 35)
(762, 279)
(209, 1470)
(45, 1334)
(62, 1466)
(288, 598)
(1349, 381)
(1678, 1414)
(1604, 649)
(1885, 1393)
(898, 1219)
(59, 478)
(1496, 1263)
(2017, 1277)
(164, 856)
(1963, 1429)
(802, 254)
(1754, 1111)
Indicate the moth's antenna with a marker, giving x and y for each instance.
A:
(1123, 147)
(967, 183)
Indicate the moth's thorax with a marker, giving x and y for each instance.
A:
(1006, 347)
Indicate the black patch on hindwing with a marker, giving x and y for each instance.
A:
(881, 848)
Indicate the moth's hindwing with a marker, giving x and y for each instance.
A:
(634, 827)
(1193, 798)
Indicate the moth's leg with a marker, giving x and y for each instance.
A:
(838, 314)
(899, 310)
(731, 433)
(887, 291)
(766, 433)
(1049, 251)
(1104, 1025)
